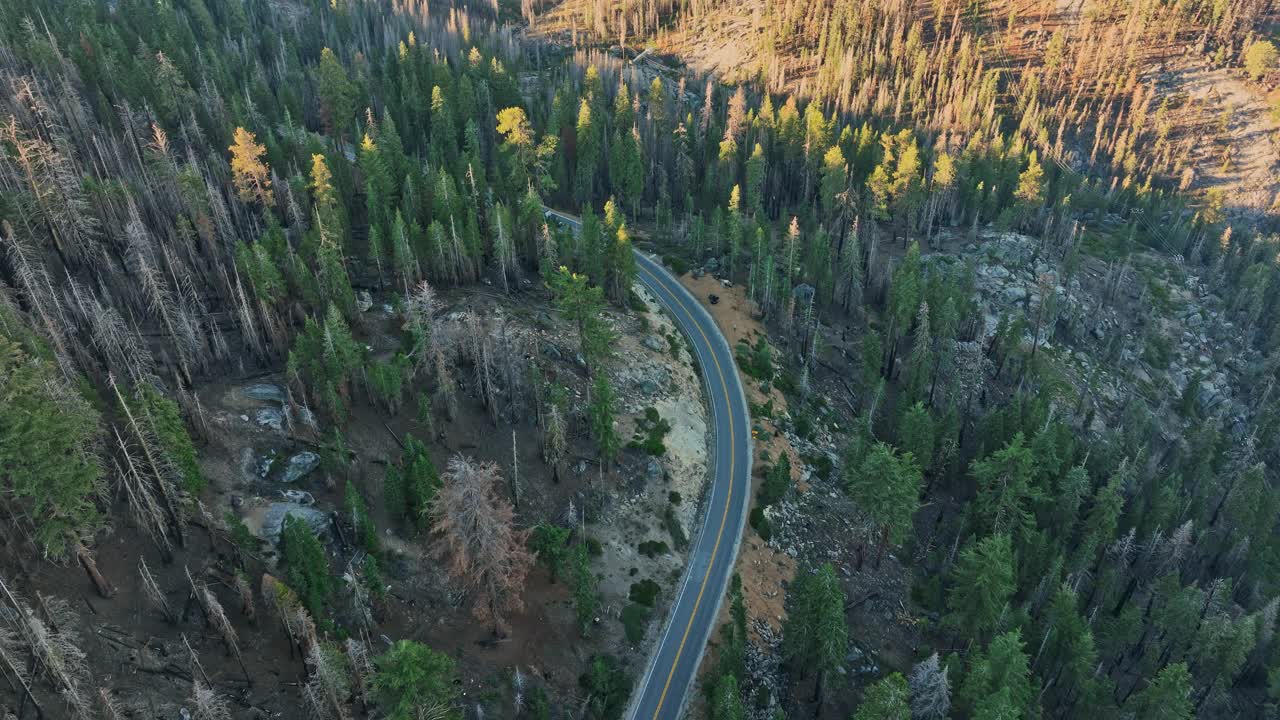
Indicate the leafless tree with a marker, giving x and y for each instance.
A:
(481, 355)
(37, 288)
(419, 318)
(245, 592)
(930, 690)
(208, 704)
(217, 618)
(158, 464)
(447, 386)
(476, 532)
(143, 505)
(329, 683)
(152, 592)
(361, 668)
(54, 647)
(111, 708)
(517, 692)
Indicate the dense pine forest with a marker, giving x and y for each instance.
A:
(1079, 514)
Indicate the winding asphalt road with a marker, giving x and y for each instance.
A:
(673, 664)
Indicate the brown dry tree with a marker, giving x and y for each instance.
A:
(476, 532)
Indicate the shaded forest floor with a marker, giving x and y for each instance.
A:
(260, 466)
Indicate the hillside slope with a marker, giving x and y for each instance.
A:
(1130, 90)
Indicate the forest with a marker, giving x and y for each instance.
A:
(1079, 515)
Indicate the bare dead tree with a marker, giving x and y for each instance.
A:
(419, 318)
(476, 532)
(361, 669)
(245, 592)
(517, 692)
(55, 649)
(444, 380)
(54, 197)
(329, 683)
(216, 617)
(143, 505)
(37, 288)
(161, 300)
(288, 609)
(554, 436)
(158, 463)
(930, 690)
(15, 666)
(111, 708)
(152, 592)
(209, 705)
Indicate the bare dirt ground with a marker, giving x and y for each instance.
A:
(764, 570)
(1224, 119)
(1251, 139)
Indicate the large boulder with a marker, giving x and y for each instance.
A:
(273, 521)
(299, 466)
(265, 392)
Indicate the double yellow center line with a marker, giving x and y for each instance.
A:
(724, 518)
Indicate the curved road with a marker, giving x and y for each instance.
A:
(673, 664)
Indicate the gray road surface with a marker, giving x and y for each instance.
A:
(672, 670)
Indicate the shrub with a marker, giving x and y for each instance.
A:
(755, 360)
(821, 464)
(550, 544)
(678, 538)
(634, 620)
(607, 685)
(651, 432)
(239, 532)
(594, 548)
(804, 425)
(777, 481)
(673, 497)
(765, 410)
(653, 548)
(761, 523)
(1158, 352)
(644, 592)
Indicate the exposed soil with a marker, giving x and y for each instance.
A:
(1251, 139)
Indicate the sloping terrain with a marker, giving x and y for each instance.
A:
(1127, 89)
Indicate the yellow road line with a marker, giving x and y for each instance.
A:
(715, 550)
